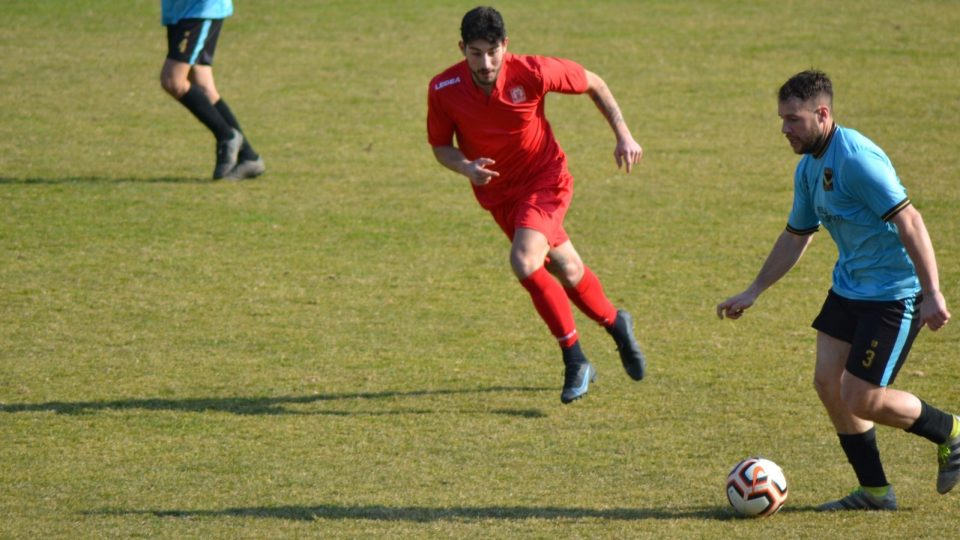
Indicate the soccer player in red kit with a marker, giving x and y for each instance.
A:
(493, 103)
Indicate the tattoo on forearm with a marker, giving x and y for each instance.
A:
(609, 109)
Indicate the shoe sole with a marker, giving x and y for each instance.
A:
(246, 170)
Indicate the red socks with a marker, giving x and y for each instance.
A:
(552, 305)
(589, 298)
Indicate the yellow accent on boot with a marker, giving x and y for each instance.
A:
(878, 492)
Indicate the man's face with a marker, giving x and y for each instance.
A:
(484, 60)
(804, 123)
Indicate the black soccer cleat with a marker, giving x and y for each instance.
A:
(859, 499)
(948, 461)
(634, 363)
(228, 151)
(577, 377)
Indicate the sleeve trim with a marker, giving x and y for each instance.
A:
(895, 210)
(802, 232)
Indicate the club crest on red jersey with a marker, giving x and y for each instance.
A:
(517, 95)
(828, 179)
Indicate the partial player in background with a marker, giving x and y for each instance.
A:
(493, 104)
(193, 27)
(885, 289)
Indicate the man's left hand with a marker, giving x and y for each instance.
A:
(628, 152)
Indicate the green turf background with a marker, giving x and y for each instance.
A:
(339, 349)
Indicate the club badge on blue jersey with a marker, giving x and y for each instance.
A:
(828, 179)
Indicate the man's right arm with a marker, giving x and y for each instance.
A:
(476, 171)
(787, 250)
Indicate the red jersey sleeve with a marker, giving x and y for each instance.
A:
(440, 126)
(562, 75)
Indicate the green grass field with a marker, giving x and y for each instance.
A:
(339, 349)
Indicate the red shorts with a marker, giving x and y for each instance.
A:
(542, 211)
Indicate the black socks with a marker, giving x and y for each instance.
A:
(573, 354)
(864, 455)
(246, 151)
(933, 424)
(198, 104)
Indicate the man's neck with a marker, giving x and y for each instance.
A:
(824, 141)
(485, 88)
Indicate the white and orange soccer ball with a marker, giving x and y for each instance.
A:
(756, 487)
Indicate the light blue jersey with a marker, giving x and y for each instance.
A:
(172, 11)
(853, 191)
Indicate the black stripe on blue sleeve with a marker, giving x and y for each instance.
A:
(888, 215)
(802, 232)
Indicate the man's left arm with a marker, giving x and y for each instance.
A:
(628, 151)
(916, 240)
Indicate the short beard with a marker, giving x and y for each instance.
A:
(815, 145)
(478, 82)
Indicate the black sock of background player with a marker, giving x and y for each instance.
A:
(198, 104)
(246, 151)
(573, 354)
(864, 455)
(933, 424)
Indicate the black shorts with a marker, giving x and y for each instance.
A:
(880, 333)
(193, 41)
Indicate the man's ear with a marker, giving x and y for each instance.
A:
(823, 113)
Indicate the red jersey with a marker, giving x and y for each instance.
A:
(509, 126)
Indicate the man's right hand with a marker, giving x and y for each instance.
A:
(733, 307)
(478, 173)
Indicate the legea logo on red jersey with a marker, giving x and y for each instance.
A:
(517, 95)
(444, 84)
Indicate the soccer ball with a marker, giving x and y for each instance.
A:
(756, 487)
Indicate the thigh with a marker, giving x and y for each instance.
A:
(193, 41)
(528, 252)
(202, 76)
(832, 354)
(175, 72)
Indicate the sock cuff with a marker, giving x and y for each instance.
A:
(536, 280)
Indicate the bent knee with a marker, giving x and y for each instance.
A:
(866, 405)
(568, 272)
(174, 86)
(825, 385)
(523, 264)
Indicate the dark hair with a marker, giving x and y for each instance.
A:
(807, 85)
(482, 23)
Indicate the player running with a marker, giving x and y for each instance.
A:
(493, 102)
(193, 27)
(885, 289)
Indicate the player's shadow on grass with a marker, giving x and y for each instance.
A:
(456, 513)
(103, 180)
(281, 405)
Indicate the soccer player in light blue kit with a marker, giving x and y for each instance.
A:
(193, 27)
(885, 289)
